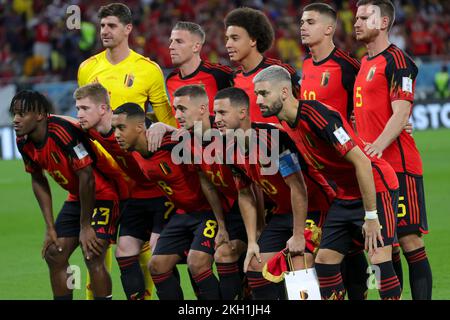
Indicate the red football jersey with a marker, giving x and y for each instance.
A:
(330, 81)
(180, 182)
(384, 78)
(324, 138)
(212, 76)
(64, 152)
(273, 185)
(142, 189)
(244, 80)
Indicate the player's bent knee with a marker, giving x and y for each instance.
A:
(327, 256)
(255, 266)
(54, 258)
(226, 254)
(382, 255)
(159, 265)
(128, 246)
(411, 242)
(199, 262)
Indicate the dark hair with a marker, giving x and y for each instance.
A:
(191, 90)
(192, 28)
(31, 101)
(131, 109)
(255, 23)
(119, 10)
(237, 96)
(322, 8)
(386, 8)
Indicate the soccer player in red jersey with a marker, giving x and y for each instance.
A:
(195, 228)
(328, 142)
(248, 35)
(383, 97)
(89, 215)
(328, 75)
(186, 41)
(285, 186)
(147, 210)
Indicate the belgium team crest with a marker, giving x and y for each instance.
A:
(129, 80)
(325, 78)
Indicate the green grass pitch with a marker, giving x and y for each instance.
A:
(24, 275)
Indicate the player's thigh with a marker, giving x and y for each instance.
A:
(176, 237)
(381, 255)
(230, 252)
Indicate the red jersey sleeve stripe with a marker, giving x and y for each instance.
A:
(397, 64)
(308, 114)
(401, 56)
(398, 59)
(62, 130)
(349, 59)
(210, 65)
(317, 114)
(60, 134)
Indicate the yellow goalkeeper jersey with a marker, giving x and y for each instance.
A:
(135, 79)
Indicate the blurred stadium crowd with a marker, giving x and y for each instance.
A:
(35, 42)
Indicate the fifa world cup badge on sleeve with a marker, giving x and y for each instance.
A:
(80, 151)
(341, 135)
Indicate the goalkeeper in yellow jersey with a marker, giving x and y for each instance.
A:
(128, 77)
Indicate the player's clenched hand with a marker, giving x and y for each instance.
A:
(50, 238)
(409, 128)
(222, 237)
(89, 242)
(372, 233)
(252, 251)
(296, 245)
(373, 150)
(155, 136)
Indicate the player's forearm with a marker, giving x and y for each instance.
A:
(299, 202)
(366, 184)
(43, 195)
(247, 206)
(393, 128)
(211, 194)
(260, 206)
(86, 195)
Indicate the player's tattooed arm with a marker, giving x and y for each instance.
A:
(88, 238)
(211, 194)
(43, 195)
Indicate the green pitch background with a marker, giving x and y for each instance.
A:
(24, 275)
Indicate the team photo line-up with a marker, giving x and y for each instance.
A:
(234, 172)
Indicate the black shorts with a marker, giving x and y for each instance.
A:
(342, 230)
(276, 233)
(234, 224)
(184, 232)
(104, 219)
(141, 217)
(411, 216)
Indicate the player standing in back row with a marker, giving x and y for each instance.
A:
(383, 97)
(249, 35)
